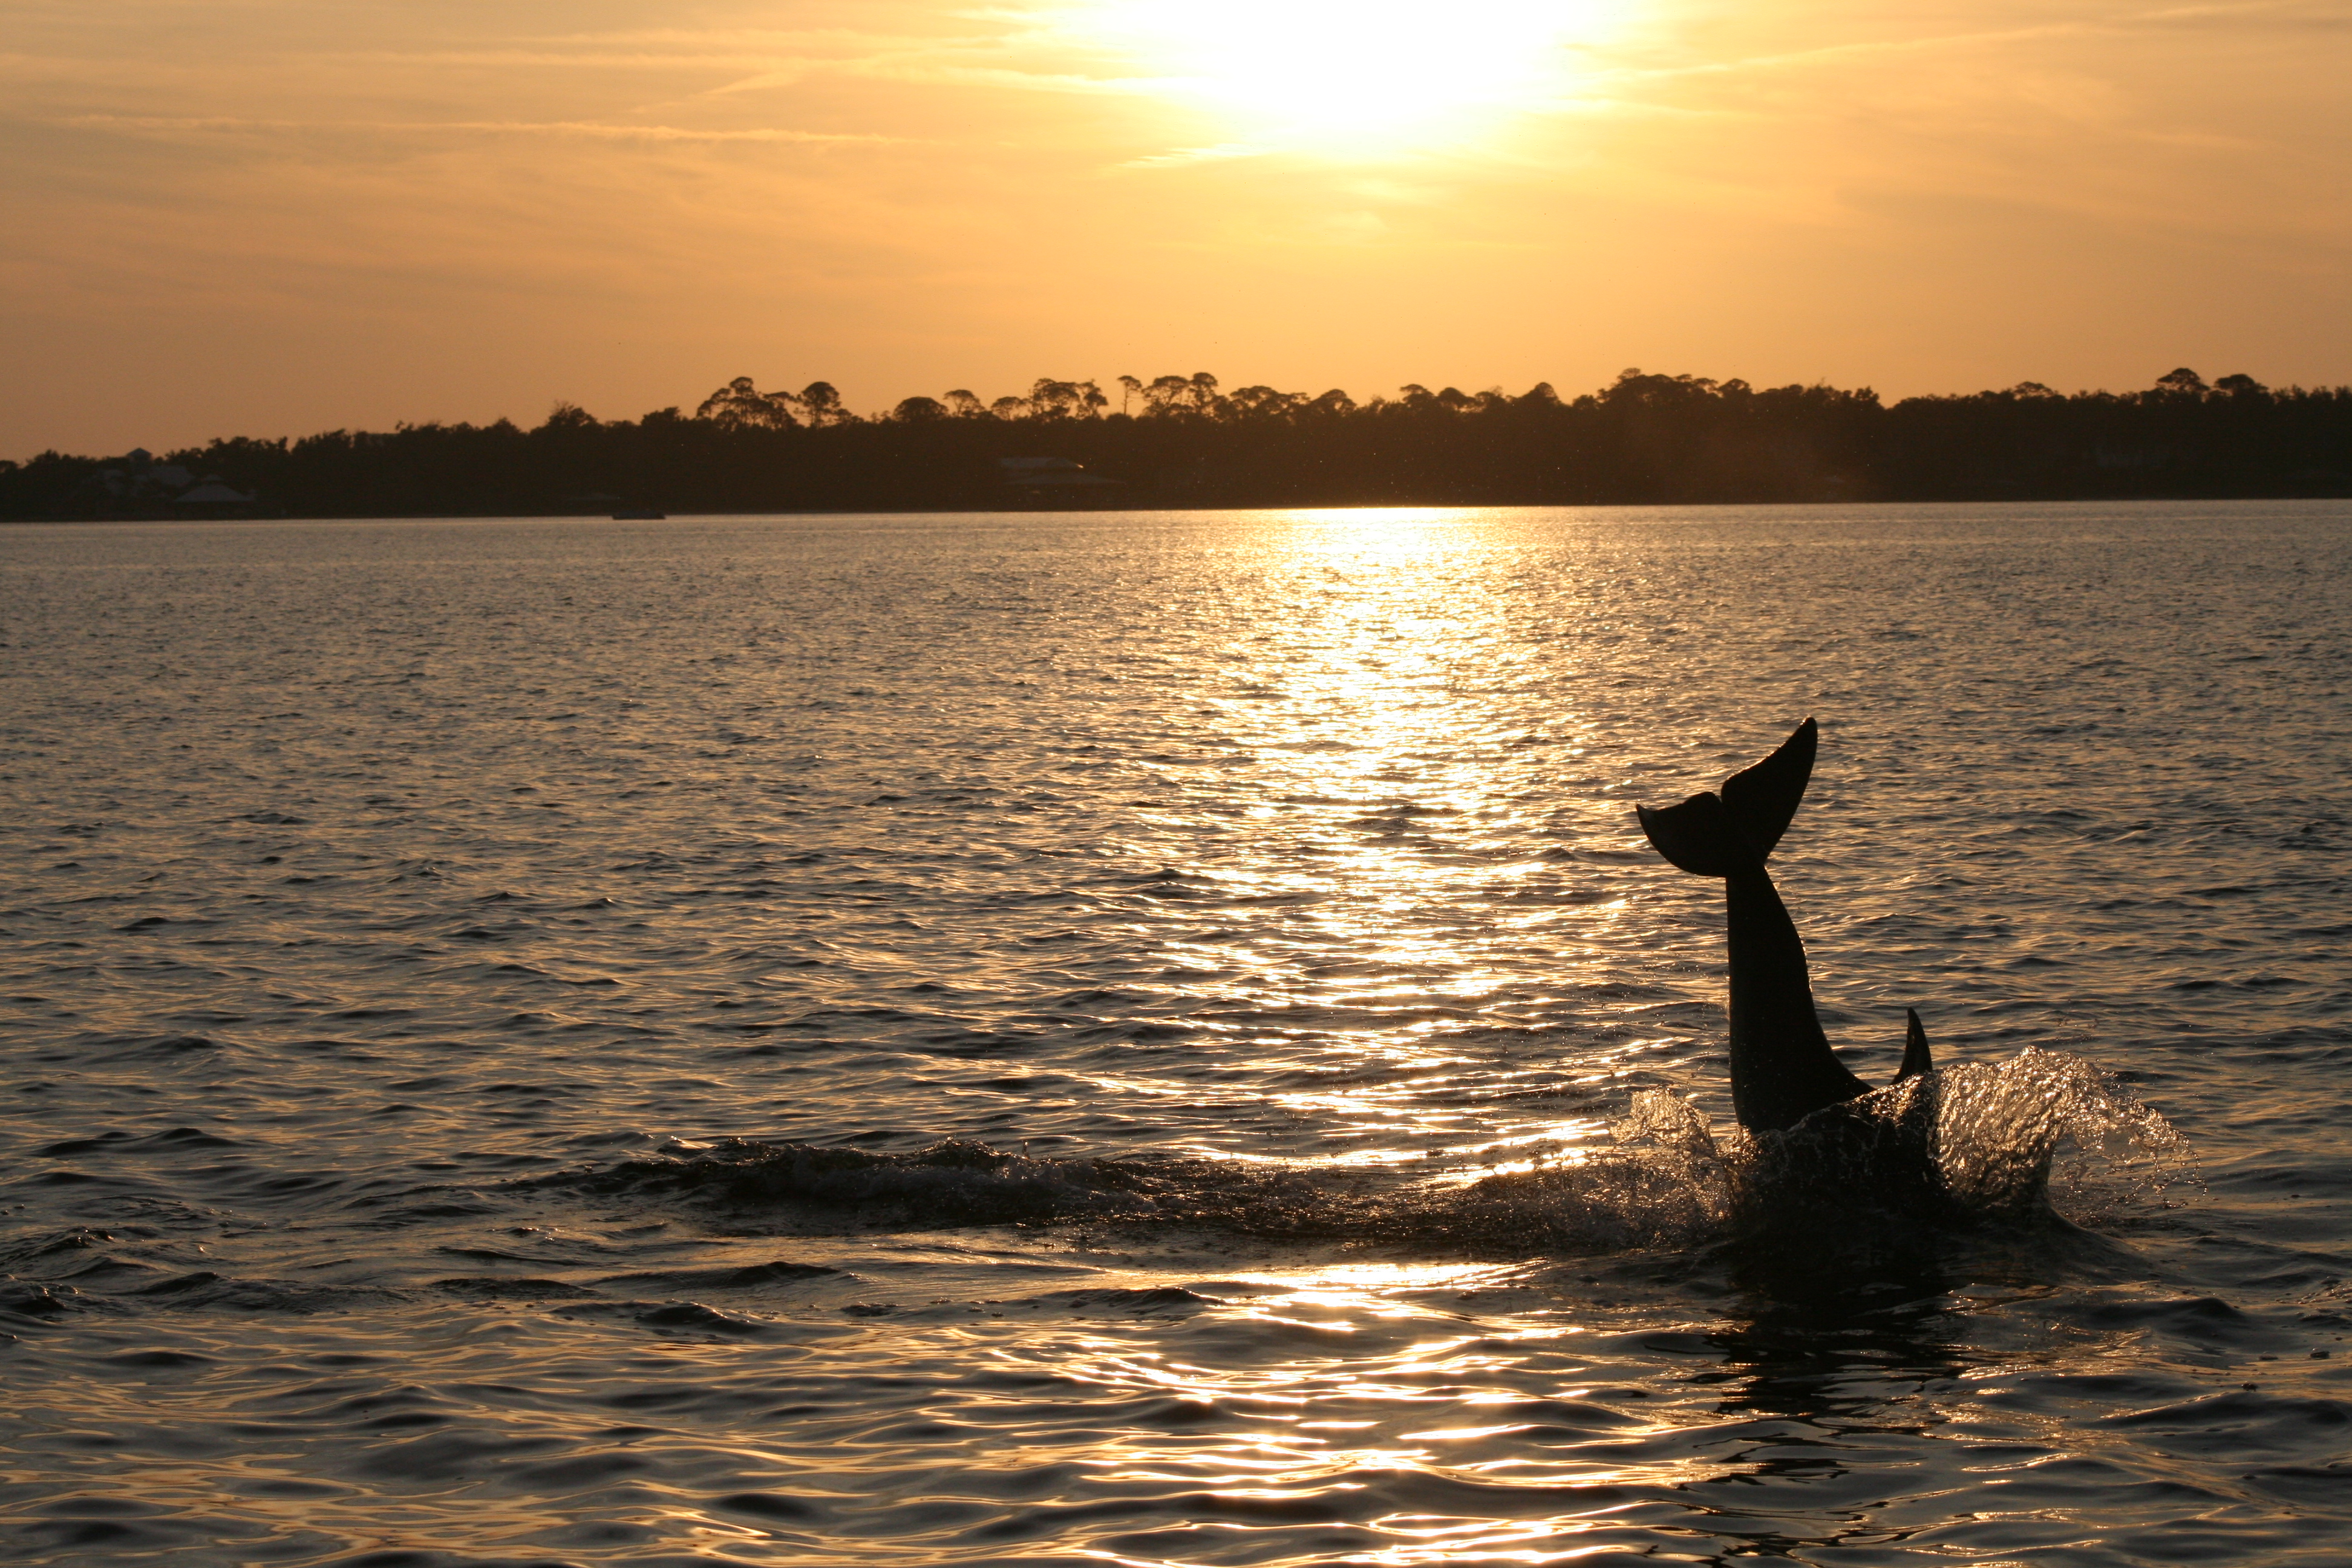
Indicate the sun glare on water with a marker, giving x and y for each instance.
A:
(1356, 73)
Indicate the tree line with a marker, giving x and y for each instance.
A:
(1187, 441)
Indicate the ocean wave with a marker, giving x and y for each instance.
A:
(1966, 1144)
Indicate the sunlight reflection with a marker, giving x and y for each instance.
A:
(1410, 930)
(1368, 1395)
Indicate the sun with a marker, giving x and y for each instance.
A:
(1355, 72)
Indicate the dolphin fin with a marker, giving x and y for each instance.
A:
(1762, 800)
(1915, 1060)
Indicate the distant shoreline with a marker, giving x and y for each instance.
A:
(1182, 444)
(1154, 508)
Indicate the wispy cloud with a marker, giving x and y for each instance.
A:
(1223, 152)
(2120, 22)
(598, 130)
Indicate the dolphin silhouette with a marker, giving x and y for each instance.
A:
(1783, 1069)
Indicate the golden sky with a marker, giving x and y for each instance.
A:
(271, 217)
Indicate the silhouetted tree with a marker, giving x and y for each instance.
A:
(1051, 399)
(741, 405)
(1263, 403)
(1166, 394)
(822, 406)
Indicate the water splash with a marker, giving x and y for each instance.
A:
(2009, 1134)
(1965, 1142)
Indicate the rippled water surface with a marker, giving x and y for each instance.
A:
(1155, 1039)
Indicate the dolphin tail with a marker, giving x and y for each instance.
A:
(1783, 1069)
(1762, 800)
(1915, 1060)
(1698, 837)
(1714, 835)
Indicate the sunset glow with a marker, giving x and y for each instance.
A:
(1362, 77)
(276, 217)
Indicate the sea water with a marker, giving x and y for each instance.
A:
(1155, 1039)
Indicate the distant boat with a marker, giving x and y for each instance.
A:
(1036, 474)
(214, 499)
(1055, 481)
(621, 508)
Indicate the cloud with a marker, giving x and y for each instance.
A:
(600, 132)
(1224, 152)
